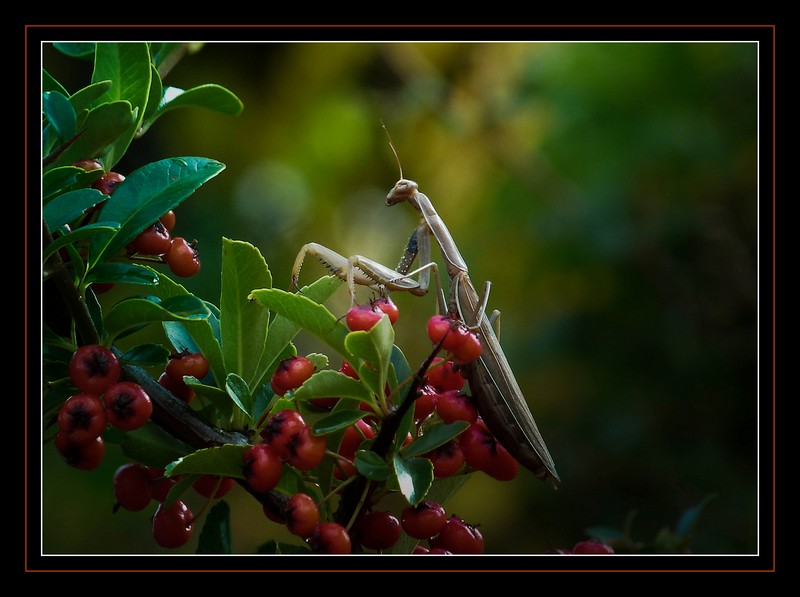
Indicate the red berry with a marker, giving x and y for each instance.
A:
(128, 406)
(94, 368)
(468, 349)
(279, 430)
(302, 515)
(454, 405)
(458, 537)
(86, 456)
(351, 439)
(178, 388)
(262, 468)
(153, 240)
(330, 538)
(443, 375)
(305, 449)
(168, 220)
(457, 339)
(107, 183)
(424, 520)
(159, 484)
(483, 452)
(378, 530)
(447, 459)
(82, 418)
(386, 305)
(425, 403)
(183, 258)
(290, 374)
(213, 486)
(440, 327)
(592, 546)
(348, 370)
(132, 487)
(172, 527)
(187, 363)
(363, 317)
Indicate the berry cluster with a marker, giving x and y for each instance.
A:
(136, 486)
(182, 364)
(180, 255)
(102, 400)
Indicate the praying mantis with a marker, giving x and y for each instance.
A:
(494, 388)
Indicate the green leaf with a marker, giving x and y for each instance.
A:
(435, 436)
(330, 384)
(66, 178)
(145, 195)
(262, 401)
(68, 206)
(195, 336)
(414, 477)
(49, 83)
(88, 231)
(60, 113)
(83, 98)
(374, 347)
(181, 486)
(282, 330)
(115, 272)
(153, 99)
(209, 96)
(219, 399)
(239, 392)
(76, 49)
(146, 355)
(127, 66)
(98, 131)
(243, 322)
(216, 534)
(133, 312)
(307, 314)
(150, 445)
(372, 466)
(224, 461)
(337, 421)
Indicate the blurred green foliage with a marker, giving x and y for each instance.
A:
(608, 190)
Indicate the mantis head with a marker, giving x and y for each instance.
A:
(403, 190)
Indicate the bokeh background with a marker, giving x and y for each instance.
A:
(608, 190)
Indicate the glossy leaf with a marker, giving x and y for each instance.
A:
(146, 355)
(66, 178)
(243, 321)
(116, 272)
(209, 96)
(337, 421)
(305, 313)
(240, 393)
(134, 312)
(372, 466)
(59, 113)
(434, 436)
(127, 66)
(150, 445)
(215, 538)
(282, 330)
(83, 98)
(100, 129)
(76, 49)
(414, 477)
(225, 461)
(82, 233)
(145, 195)
(49, 83)
(328, 383)
(68, 206)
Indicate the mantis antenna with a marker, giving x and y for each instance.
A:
(394, 151)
